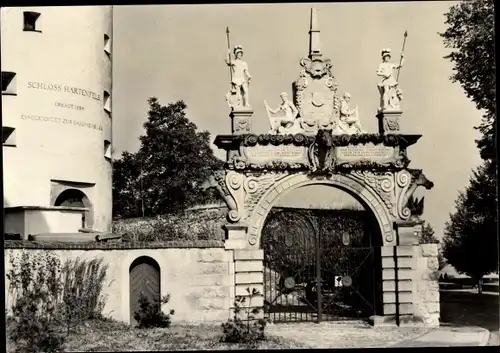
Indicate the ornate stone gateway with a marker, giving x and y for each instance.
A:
(318, 266)
(318, 139)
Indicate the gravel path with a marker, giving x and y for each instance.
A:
(344, 335)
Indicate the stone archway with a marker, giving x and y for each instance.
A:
(250, 196)
(354, 187)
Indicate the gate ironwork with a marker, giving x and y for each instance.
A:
(318, 266)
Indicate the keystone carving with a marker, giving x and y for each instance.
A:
(321, 152)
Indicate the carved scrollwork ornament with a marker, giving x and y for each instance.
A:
(251, 184)
(403, 179)
(234, 182)
(401, 160)
(252, 239)
(256, 187)
(382, 184)
(330, 83)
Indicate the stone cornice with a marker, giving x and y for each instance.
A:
(231, 142)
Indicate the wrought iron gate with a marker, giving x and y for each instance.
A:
(318, 265)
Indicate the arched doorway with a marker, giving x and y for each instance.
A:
(144, 274)
(76, 198)
(321, 264)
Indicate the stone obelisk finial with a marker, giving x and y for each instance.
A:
(314, 41)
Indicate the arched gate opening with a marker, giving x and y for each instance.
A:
(321, 265)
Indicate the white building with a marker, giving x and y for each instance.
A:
(56, 118)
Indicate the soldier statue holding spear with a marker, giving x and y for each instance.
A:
(240, 76)
(390, 94)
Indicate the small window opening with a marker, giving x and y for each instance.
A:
(107, 149)
(107, 45)
(107, 101)
(8, 136)
(30, 21)
(9, 83)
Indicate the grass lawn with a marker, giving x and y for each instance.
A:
(461, 308)
(113, 336)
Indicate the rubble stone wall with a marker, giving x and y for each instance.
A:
(426, 285)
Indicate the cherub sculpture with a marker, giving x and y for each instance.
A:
(287, 122)
(349, 118)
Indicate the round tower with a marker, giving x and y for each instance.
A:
(57, 118)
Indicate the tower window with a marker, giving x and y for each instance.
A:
(8, 136)
(30, 21)
(107, 45)
(107, 101)
(9, 83)
(107, 149)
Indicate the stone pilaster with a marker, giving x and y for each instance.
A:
(249, 273)
(408, 232)
(241, 120)
(388, 122)
(397, 265)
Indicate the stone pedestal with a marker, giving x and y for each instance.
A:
(408, 232)
(388, 122)
(236, 236)
(241, 120)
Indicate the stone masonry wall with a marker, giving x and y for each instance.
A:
(426, 285)
(249, 273)
(410, 286)
(200, 280)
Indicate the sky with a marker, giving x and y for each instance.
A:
(176, 52)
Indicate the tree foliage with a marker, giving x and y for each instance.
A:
(427, 236)
(471, 36)
(164, 175)
(470, 241)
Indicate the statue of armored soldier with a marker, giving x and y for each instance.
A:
(240, 78)
(390, 94)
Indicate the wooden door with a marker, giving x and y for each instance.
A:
(145, 278)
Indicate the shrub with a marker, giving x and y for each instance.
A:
(81, 299)
(201, 224)
(35, 287)
(244, 327)
(150, 314)
(46, 297)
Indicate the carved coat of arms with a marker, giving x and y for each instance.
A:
(315, 95)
